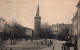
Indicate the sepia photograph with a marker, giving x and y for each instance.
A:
(39, 24)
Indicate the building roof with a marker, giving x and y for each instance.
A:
(27, 28)
(2, 19)
(37, 13)
(75, 16)
(78, 4)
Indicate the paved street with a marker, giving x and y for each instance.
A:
(27, 45)
(23, 45)
(57, 45)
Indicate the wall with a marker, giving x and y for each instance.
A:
(2, 24)
(29, 32)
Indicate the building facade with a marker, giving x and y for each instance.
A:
(70, 30)
(60, 30)
(2, 26)
(78, 25)
(54, 30)
(29, 32)
(74, 24)
(37, 21)
(63, 31)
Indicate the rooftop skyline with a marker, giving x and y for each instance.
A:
(24, 11)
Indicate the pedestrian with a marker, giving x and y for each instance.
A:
(10, 48)
(37, 43)
(62, 47)
(41, 42)
(48, 44)
(52, 42)
(1, 48)
(6, 48)
(53, 47)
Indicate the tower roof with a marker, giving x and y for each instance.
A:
(37, 13)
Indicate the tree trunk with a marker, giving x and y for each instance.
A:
(45, 41)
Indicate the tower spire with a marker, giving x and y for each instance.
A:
(37, 13)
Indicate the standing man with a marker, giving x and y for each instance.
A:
(6, 48)
(63, 46)
(53, 47)
(1, 48)
(10, 48)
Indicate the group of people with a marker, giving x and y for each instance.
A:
(50, 43)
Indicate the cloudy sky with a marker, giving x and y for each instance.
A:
(24, 11)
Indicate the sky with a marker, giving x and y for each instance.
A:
(24, 11)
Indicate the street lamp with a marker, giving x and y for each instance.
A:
(11, 36)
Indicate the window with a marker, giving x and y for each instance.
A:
(79, 22)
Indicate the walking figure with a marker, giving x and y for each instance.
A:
(50, 42)
(53, 47)
(41, 42)
(62, 47)
(1, 48)
(6, 48)
(10, 48)
(37, 43)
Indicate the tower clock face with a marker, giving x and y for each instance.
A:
(38, 20)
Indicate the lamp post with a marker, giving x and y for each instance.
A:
(11, 36)
(0, 37)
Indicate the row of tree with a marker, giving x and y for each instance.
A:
(14, 31)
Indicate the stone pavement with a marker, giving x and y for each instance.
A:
(24, 45)
(57, 45)
(27, 45)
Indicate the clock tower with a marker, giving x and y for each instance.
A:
(37, 24)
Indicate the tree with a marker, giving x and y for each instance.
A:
(64, 32)
(7, 31)
(18, 31)
(45, 32)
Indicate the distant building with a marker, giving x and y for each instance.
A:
(75, 24)
(63, 31)
(2, 27)
(29, 31)
(76, 28)
(7, 31)
(75, 39)
(54, 30)
(60, 30)
(8, 28)
(78, 25)
(2, 24)
(70, 30)
(37, 22)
